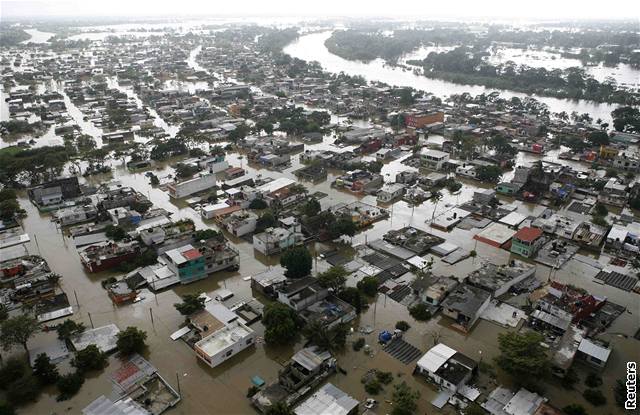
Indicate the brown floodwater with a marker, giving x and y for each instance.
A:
(222, 390)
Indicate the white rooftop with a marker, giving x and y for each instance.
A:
(223, 338)
(436, 357)
(594, 350)
(328, 400)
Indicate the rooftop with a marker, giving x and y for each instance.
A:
(223, 338)
(328, 400)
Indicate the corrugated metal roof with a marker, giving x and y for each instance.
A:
(594, 350)
(328, 400)
(436, 357)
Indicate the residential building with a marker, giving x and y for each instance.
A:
(275, 240)
(527, 241)
(301, 293)
(433, 290)
(55, 191)
(267, 282)
(203, 181)
(433, 159)
(307, 369)
(187, 263)
(240, 223)
(107, 255)
(446, 367)
(465, 304)
(498, 279)
(594, 353)
(390, 192)
(222, 334)
(328, 400)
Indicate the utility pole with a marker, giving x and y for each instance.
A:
(178, 381)
(152, 322)
(91, 321)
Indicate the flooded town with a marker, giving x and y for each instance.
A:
(222, 214)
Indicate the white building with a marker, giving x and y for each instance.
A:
(466, 171)
(390, 192)
(202, 181)
(224, 343)
(274, 240)
(446, 367)
(223, 333)
(240, 223)
(433, 159)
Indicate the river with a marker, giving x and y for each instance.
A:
(311, 48)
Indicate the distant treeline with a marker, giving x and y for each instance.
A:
(366, 46)
(608, 45)
(11, 36)
(467, 66)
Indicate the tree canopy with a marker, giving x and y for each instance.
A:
(131, 340)
(280, 324)
(297, 261)
(190, 304)
(523, 356)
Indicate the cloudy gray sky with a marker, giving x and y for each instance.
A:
(527, 9)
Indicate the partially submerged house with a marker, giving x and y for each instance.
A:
(446, 367)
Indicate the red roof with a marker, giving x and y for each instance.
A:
(191, 254)
(528, 234)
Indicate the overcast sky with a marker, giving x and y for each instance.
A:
(469, 9)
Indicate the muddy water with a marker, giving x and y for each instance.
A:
(222, 390)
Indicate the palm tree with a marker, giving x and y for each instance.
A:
(437, 197)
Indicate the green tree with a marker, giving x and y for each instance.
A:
(190, 304)
(620, 392)
(280, 324)
(13, 368)
(598, 138)
(333, 278)
(115, 232)
(402, 325)
(266, 220)
(311, 207)
(354, 297)
(44, 370)
(17, 331)
(473, 409)
(258, 204)
(297, 261)
(593, 380)
(23, 390)
(6, 409)
(69, 328)
(90, 358)
(404, 400)
(343, 225)
(368, 285)
(594, 397)
(333, 339)
(69, 385)
(600, 210)
(131, 340)
(523, 356)
(279, 408)
(574, 409)
(420, 312)
(491, 174)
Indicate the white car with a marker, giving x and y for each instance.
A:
(370, 403)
